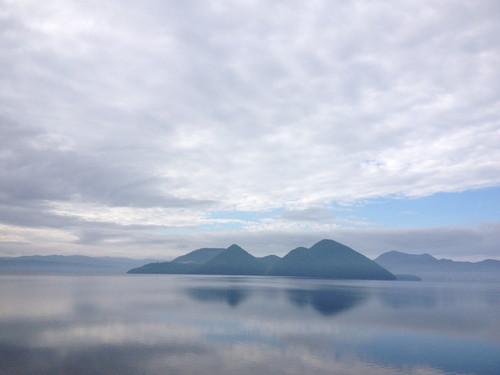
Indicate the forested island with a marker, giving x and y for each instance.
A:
(326, 259)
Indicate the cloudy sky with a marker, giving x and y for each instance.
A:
(152, 128)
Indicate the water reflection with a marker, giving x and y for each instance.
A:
(418, 299)
(232, 296)
(186, 325)
(328, 302)
(91, 360)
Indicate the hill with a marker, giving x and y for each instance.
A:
(199, 256)
(330, 259)
(164, 267)
(269, 262)
(68, 264)
(326, 259)
(430, 268)
(232, 261)
(185, 264)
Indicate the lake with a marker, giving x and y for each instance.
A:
(182, 324)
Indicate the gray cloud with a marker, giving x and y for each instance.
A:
(468, 243)
(188, 108)
(38, 172)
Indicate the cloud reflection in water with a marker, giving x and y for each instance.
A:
(185, 325)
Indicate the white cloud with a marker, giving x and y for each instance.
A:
(243, 105)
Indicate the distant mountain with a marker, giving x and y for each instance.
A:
(164, 267)
(399, 258)
(430, 268)
(326, 259)
(294, 262)
(199, 256)
(232, 261)
(269, 262)
(181, 265)
(68, 264)
(330, 259)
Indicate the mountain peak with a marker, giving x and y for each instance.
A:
(234, 247)
(330, 248)
(330, 259)
(327, 258)
(233, 261)
(325, 242)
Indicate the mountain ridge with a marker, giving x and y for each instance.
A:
(430, 268)
(232, 261)
(330, 259)
(68, 264)
(325, 259)
(199, 256)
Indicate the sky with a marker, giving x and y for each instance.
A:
(148, 129)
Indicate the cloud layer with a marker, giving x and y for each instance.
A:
(143, 119)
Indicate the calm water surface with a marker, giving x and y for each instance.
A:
(169, 324)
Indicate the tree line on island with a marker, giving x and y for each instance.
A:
(326, 259)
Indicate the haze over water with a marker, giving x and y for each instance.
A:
(170, 324)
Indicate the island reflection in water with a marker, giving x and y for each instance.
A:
(172, 324)
(325, 301)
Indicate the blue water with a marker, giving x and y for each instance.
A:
(180, 324)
